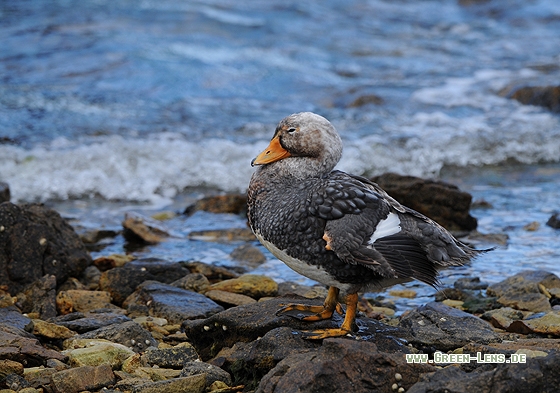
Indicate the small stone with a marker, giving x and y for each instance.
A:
(458, 304)
(248, 254)
(255, 286)
(547, 324)
(229, 203)
(51, 330)
(132, 363)
(170, 357)
(406, 293)
(212, 372)
(82, 300)
(398, 377)
(554, 221)
(470, 283)
(101, 353)
(112, 261)
(140, 229)
(196, 282)
(532, 226)
(502, 318)
(157, 373)
(192, 384)
(223, 235)
(10, 367)
(79, 379)
(394, 386)
(229, 298)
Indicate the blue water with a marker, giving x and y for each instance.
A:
(110, 106)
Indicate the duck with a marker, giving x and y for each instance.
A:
(339, 229)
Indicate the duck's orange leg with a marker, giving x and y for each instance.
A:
(345, 328)
(320, 313)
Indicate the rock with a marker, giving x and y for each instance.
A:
(546, 96)
(440, 201)
(38, 376)
(442, 327)
(4, 192)
(95, 235)
(212, 273)
(252, 285)
(79, 379)
(196, 282)
(157, 374)
(554, 221)
(546, 324)
(540, 374)
(85, 322)
(12, 321)
(51, 330)
(100, 353)
(522, 291)
(223, 235)
(120, 282)
(36, 241)
(314, 292)
(170, 357)
(128, 333)
(342, 365)
(406, 293)
(25, 350)
(229, 299)
(249, 255)
(230, 203)
(470, 283)
(15, 382)
(192, 384)
(247, 323)
(10, 367)
(6, 300)
(90, 277)
(39, 298)
(141, 229)
(112, 261)
(128, 383)
(172, 303)
(213, 373)
(82, 301)
(503, 317)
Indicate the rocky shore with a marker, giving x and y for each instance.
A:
(71, 324)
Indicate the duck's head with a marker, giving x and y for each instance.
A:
(304, 144)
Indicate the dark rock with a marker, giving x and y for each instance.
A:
(96, 235)
(470, 283)
(287, 287)
(14, 382)
(196, 282)
(212, 273)
(342, 365)
(524, 291)
(540, 374)
(503, 317)
(36, 241)
(229, 299)
(230, 203)
(440, 201)
(90, 277)
(86, 322)
(25, 350)
(112, 261)
(172, 303)
(120, 282)
(145, 230)
(213, 373)
(442, 327)
(170, 357)
(192, 384)
(247, 323)
(83, 378)
(546, 96)
(248, 254)
(548, 324)
(554, 221)
(12, 321)
(128, 333)
(40, 298)
(4, 192)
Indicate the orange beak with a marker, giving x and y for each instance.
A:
(273, 152)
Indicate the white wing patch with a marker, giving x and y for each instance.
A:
(386, 227)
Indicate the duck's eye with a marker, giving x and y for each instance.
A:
(291, 130)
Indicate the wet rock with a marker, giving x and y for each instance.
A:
(503, 317)
(223, 235)
(170, 357)
(248, 254)
(340, 364)
(523, 291)
(196, 282)
(440, 201)
(10, 367)
(85, 322)
(100, 353)
(470, 283)
(140, 229)
(472, 302)
(128, 333)
(554, 221)
(442, 327)
(39, 298)
(90, 277)
(540, 374)
(172, 303)
(230, 203)
(96, 235)
(12, 321)
(247, 323)
(192, 384)
(79, 379)
(229, 299)
(314, 292)
(36, 241)
(82, 301)
(51, 330)
(25, 350)
(4, 192)
(252, 285)
(111, 261)
(546, 96)
(213, 373)
(548, 323)
(212, 272)
(120, 282)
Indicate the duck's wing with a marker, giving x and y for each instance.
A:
(364, 225)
